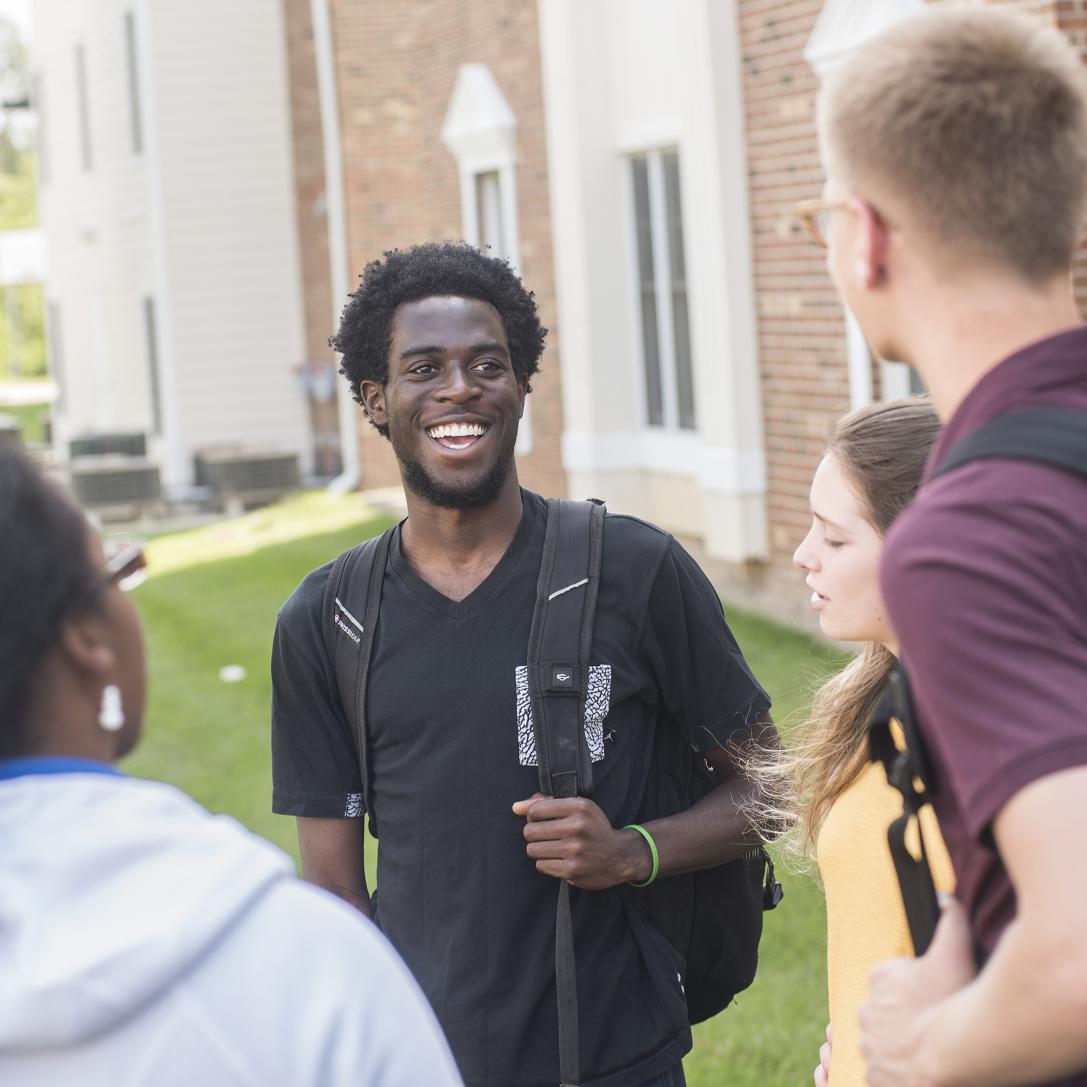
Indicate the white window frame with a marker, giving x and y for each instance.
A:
(895, 378)
(662, 289)
(842, 26)
(859, 360)
(480, 131)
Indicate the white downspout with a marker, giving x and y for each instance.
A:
(177, 463)
(324, 54)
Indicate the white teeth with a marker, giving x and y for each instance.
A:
(457, 430)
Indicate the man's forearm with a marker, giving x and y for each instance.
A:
(331, 851)
(713, 831)
(352, 896)
(718, 828)
(1020, 1022)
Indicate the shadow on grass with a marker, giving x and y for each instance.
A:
(208, 737)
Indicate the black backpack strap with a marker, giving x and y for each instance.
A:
(349, 616)
(1048, 435)
(560, 643)
(908, 771)
(559, 648)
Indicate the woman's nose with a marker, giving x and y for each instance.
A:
(804, 557)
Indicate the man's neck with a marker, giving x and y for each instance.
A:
(961, 334)
(456, 549)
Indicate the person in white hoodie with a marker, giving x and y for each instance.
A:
(143, 940)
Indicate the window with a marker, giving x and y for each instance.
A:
(83, 106)
(897, 379)
(489, 212)
(133, 83)
(153, 363)
(662, 291)
(479, 130)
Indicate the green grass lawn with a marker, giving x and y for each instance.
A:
(213, 601)
(31, 420)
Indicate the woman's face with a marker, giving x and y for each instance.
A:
(841, 554)
(124, 635)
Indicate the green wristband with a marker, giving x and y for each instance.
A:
(655, 870)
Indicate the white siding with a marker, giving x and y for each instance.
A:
(220, 113)
(96, 221)
(201, 219)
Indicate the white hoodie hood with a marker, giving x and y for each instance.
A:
(111, 888)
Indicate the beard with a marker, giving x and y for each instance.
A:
(469, 496)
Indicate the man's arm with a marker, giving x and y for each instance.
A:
(332, 858)
(573, 840)
(1021, 1020)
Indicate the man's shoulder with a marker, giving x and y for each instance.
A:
(989, 506)
(997, 530)
(303, 606)
(630, 540)
(633, 538)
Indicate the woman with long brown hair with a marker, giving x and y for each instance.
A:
(841, 803)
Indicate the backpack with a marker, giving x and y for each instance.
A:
(1047, 435)
(712, 918)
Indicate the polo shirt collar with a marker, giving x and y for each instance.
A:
(39, 765)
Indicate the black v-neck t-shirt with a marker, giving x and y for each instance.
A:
(451, 750)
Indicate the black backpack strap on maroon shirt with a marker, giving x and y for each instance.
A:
(908, 771)
(559, 648)
(349, 615)
(1047, 435)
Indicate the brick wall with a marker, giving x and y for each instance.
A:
(801, 329)
(802, 346)
(396, 67)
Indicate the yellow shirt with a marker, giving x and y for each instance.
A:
(866, 921)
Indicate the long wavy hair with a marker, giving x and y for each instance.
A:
(882, 450)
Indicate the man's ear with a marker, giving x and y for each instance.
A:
(524, 390)
(871, 240)
(373, 399)
(83, 641)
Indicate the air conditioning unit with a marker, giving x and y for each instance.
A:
(11, 435)
(239, 476)
(129, 444)
(126, 483)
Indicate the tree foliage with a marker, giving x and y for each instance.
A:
(22, 318)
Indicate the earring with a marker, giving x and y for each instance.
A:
(111, 717)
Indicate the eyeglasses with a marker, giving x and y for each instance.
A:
(814, 216)
(125, 567)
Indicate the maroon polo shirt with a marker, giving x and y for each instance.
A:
(985, 579)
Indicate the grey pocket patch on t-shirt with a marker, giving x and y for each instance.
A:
(597, 704)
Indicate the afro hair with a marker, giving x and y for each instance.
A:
(449, 269)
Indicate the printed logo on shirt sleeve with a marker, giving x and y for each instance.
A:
(597, 705)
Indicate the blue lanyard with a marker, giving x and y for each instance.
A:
(52, 764)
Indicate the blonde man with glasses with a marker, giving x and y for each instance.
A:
(955, 151)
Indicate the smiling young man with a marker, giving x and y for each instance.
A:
(955, 147)
(439, 343)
